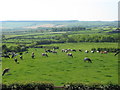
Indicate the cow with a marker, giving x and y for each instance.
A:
(86, 51)
(33, 55)
(87, 59)
(16, 60)
(21, 57)
(117, 53)
(54, 52)
(103, 52)
(5, 71)
(92, 51)
(97, 51)
(80, 50)
(69, 49)
(65, 50)
(73, 50)
(48, 50)
(70, 54)
(6, 56)
(44, 54)
(13, 55)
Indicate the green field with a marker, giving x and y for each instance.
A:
(60, 68)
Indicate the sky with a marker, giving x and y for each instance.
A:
(82, 10)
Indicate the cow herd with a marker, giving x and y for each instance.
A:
(46, 51)
(67, 51)
(46, 54)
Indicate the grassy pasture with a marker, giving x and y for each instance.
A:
(60, 68)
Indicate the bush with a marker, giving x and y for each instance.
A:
(79, 86)
(28, 86)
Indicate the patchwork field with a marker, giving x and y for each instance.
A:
(60, 68)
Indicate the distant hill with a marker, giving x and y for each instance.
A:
(21, 25)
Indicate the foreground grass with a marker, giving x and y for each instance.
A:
(60, 69)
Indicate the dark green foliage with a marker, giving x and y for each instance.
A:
(76, 38)
(80, 86)
(28, 86)
(69, 86)
(18, 48)
(40, 46)
(77, 28)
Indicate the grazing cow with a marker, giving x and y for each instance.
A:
(97, 51)
(48, 50)
(69, 49)
(80, 50)
(33, 55)
(73, 50)
(21, 57)
(16, 60)
(87, 59)
(44, 54)
(63, 50)
(117, 53)
(66, 51)
(103, 52)
(13, 55)
(54, 52)
(6, 56)
(86, 51)
(92, 51)
(70, 54)
(5, 71)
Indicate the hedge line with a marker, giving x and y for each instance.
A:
(70, 86)
(28, 86)
(79, 86)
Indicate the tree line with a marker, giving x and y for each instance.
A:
(77, 28)
(18, 48)
(65, 38)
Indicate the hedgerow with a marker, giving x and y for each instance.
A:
(28, 86)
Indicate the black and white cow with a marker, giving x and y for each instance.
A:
(86, 51)
(21, 57)
(16, 60)
(33, 55)
(70, 54)
(6, 56)
(44, 54)
(54, 51)
(117, 53)
(87, 59)
(92, 51)
(5, 71)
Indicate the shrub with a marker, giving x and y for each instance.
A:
(80, 86)
(28, 86)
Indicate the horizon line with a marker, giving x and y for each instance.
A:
(52, 20)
